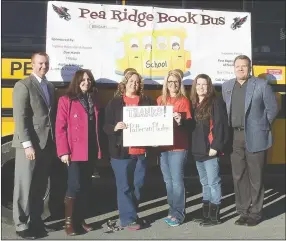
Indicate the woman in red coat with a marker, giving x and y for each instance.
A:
(78, 145)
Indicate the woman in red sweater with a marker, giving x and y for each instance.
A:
(173, 158)
(128, 163)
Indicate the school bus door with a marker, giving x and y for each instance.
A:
(160, 61)
(178, 59)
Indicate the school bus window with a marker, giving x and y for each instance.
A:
(120, 50)
(134, 44)
(148, 47)
(161, 43)
(147, 42)
(175, 43)
(187, 44)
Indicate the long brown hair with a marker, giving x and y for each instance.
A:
(203, 109)
(121, 88)
(165, 92)
(74, 90)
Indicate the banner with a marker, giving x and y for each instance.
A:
(108, 39)
(148, 125)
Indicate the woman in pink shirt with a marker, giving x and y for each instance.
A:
(78, 145)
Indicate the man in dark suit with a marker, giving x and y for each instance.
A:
(34, 116)
(252, 108)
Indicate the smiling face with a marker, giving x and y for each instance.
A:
(173, 84)
(133, 84)
(40, 65)
(242, 69)
(85, 84)
(202, 87)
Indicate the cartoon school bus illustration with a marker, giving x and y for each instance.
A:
(153, 53)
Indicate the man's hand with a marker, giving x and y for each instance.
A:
(119, 126)
(30, 153)
(66, 159)
(212, 152)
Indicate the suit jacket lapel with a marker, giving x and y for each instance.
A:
(38, 87)
(249, 92)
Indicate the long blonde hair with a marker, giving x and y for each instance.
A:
(121, 88)
(165, 92)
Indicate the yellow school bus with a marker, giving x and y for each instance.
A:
(20, 40)
(153, 53)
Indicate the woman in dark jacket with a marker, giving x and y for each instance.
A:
(209, 116)
(126, 162)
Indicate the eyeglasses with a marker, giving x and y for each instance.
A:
(173, 82)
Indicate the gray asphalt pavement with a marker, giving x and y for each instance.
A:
(154, 208)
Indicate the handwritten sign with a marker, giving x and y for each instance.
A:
(148, 125)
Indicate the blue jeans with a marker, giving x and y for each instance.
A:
(172, 167)
(210, 179)
(79, 178)
(129, 175)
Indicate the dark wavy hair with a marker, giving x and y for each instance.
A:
(74, 90)
(204, 109)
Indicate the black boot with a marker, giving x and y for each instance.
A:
(214, 218)
(205, 213)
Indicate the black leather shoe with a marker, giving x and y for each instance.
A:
(26, 234)
(49, 229)
(241, 221)
(40, 233)
(251, 222)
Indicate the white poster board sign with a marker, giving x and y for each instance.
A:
(108, 39)
(148, 125)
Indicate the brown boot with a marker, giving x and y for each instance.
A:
(80, 212)
(86, 227)
(69, 208)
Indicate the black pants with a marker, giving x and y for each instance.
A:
(247, 171)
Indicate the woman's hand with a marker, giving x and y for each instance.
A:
(178, 117)
(65, 159)
(119, 126)
(212, 152)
